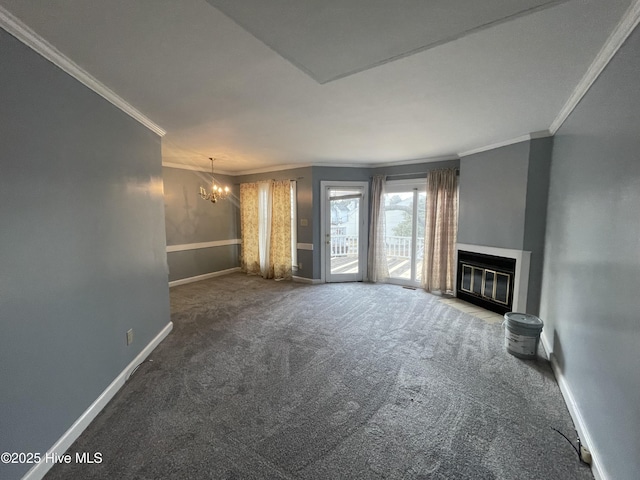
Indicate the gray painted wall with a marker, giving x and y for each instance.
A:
(535, 218)
(190, 219)
(493, 194)
(590, 299)
(201, 261)
(503, 203)
(82, 248)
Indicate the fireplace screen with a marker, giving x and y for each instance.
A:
(486, 283)
(486, 280)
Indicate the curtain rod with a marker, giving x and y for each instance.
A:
(414, 173)
(273, 179)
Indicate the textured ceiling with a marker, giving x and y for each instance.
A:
(220, 92)
(330, 39)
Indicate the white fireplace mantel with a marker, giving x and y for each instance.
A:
(521, 277)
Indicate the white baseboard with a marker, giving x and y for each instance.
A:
(596, 465)
(310, 281)
(197, 278)
(39, 470)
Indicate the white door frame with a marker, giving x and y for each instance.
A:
(363, 241)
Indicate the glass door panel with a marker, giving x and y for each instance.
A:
(399, 233)
(404, 205)
(344, 232)
(420, 224)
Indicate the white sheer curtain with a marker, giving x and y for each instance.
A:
(377, 267)
(264, 226)
(441, 229)
(293, 186)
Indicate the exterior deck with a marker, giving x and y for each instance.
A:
(399, 267)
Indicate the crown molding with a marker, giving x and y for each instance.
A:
(275, 168)
(442, 158)
(540, 134)
(195, 168)
(183, 166)
(511, 141)
(294, 166)
(342, 165)
(345, 165)
(627, 24)
(399, 163)
(14, 26)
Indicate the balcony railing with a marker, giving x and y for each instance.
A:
(342, 245)
(398, 247)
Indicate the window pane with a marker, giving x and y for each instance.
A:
(422, 207)
(398, 233)
(345, 230)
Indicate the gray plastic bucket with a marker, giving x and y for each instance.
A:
(522, 334)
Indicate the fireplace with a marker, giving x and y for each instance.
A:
(486, 280)
(509, 261)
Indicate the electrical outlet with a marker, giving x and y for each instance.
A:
(130, 336)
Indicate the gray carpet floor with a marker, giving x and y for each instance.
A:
(276, 380)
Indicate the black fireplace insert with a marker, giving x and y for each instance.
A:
(486, 280)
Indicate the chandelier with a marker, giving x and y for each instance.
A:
(218, 192)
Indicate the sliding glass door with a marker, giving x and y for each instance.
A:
(344, 230)
(405, 204)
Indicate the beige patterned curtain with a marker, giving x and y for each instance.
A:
(265, 218)
(280, 249)
(377, 267)
(441, 230)
(250, 257)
